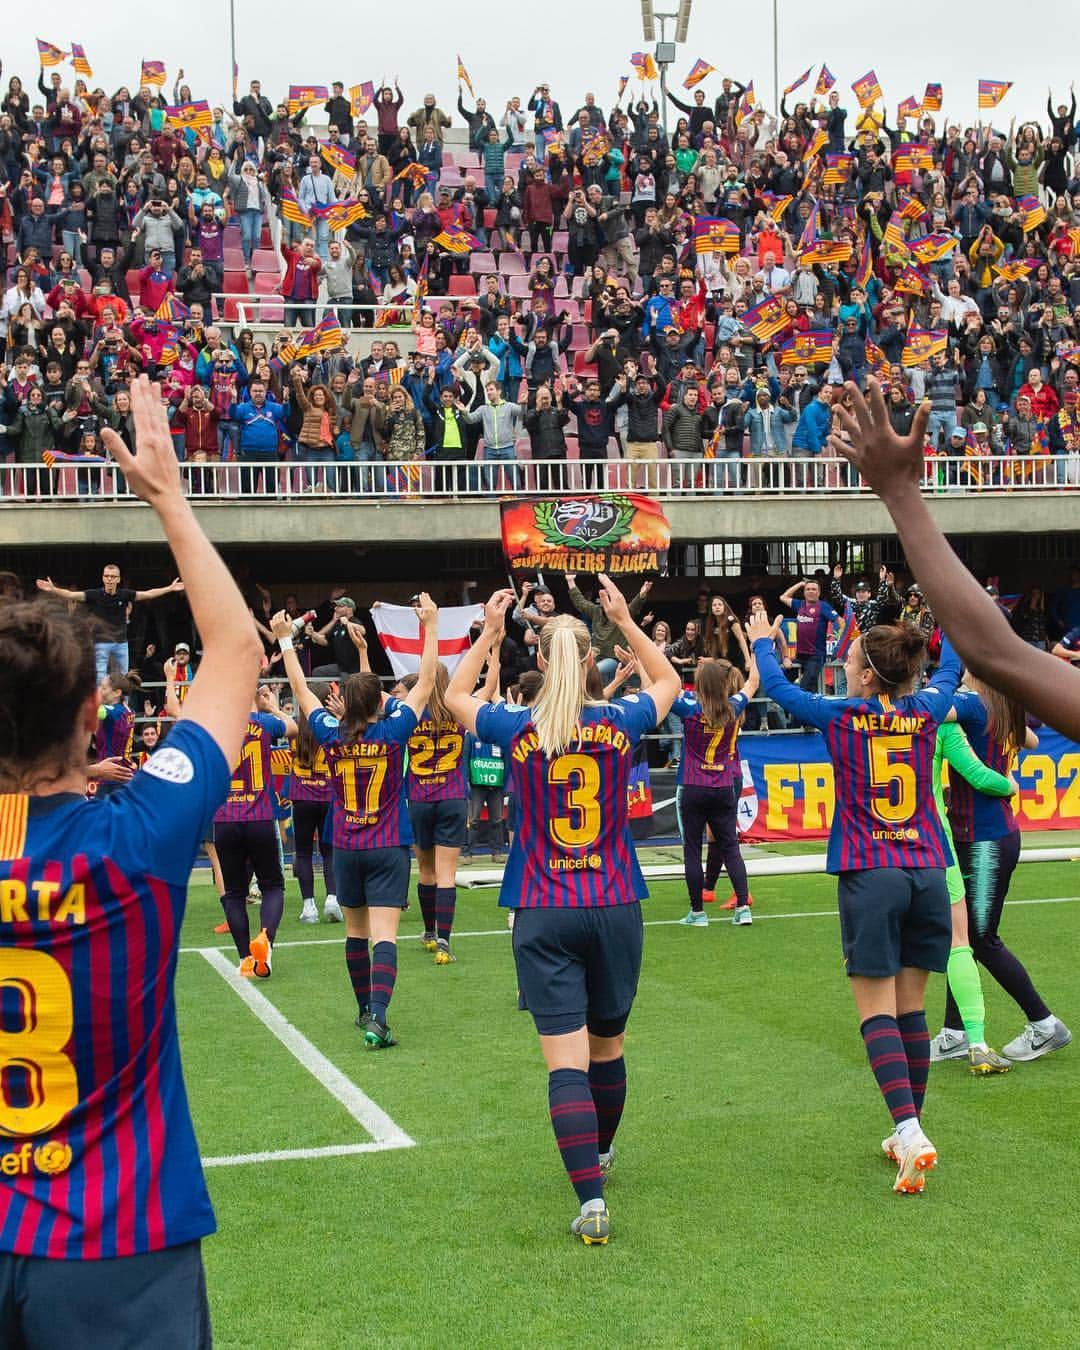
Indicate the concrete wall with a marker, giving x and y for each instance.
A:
(292, 522)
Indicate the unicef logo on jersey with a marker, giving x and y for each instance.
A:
(170, 765)
(595, 523)
(747, 810)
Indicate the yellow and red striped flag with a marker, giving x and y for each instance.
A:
(923, 343)
(194, 115)
(825, 81)
(909, 108)
(463, 75)
(767, 319)
(291, 209)
(816, 144)
(304, 96)
(867, 89)
(810, 348)
(49, 55)
(991, 92)
(826, 252)
(361, 97)
(798, 84)
(699, 71)
(932, 98)
(153, 73)
(343, 214)
(79, 60)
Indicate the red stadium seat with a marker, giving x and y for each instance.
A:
(233, 259)
(235, 283)
(489, 217)
(267, 283)
(481, 262)
(583, 367)
(461, 285)
(132, 277)
(264, 260)
(560, 241)
(511, 264)
(519, 287)
(272, 311)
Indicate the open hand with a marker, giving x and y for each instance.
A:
(281, 624)
(495, 611)
(759, 625)
(613, 602)
(890, 463)
(154, 473)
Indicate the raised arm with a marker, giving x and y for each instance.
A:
(428, 614)
(460, 699)
(49, 587)
(663, 678)
(156, 592)
(892, 465)
(220, 695)
(281, 626)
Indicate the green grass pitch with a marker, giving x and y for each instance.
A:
(750, 1207)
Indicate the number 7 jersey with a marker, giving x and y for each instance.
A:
(573, 847)
(368, 779)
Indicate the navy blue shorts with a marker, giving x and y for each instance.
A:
(156, 1299)
(892, 917)
(372, 876)
(579, 967)
(439, 824)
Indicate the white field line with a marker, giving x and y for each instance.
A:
(505, 932)
(384, 1132)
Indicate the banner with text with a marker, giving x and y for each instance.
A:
(787, 789)
(610, 532)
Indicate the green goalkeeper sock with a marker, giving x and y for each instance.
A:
(966, 989)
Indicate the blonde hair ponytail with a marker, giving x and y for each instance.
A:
(564, 646)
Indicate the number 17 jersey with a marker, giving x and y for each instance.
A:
(573, 847)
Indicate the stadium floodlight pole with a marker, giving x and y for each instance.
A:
(682, 20)
(648, 26)
(776, 57)
(232, 46)
(665, 51)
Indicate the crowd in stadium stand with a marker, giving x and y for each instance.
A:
(577, 283)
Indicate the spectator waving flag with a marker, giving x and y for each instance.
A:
(798, 84)
(876, 360)
(172, 310)
(699, 71)
(911, 208)
(415, 173)
(768, 319)
(715, 234)
(909, 108)
(402, 635)
(922, 344)
(746, 104)
(895, 235)
(194, 115)
(825, 81)
(776, 206)
(912, 157)
(79, 60)
(932, 98)
(304, 96)
(866, 89)
(49, 55)
(152, 73)
(913, 281)
(1018, 268)
(810, 348)
(991, 92)
(1033, 210)
(463, 76)
(865, 269)
(361, 97)
(826, 252)
(324, 337)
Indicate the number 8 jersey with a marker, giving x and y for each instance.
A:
(573, 846)
(882, 751)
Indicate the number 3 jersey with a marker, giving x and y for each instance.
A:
(882, 751)
(97, 1151)
(573, 846)
(368, 778)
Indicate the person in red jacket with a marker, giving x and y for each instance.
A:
(300, 285)
(690, 317)
(1044, 401)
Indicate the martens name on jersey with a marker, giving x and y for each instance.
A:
(905, 723)
(592, 733)
(41, 902)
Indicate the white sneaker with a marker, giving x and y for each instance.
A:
(332, 910)
(891, 1148)
(948, 1044)
(1033, 1043)
(310, 912)
(742, 916)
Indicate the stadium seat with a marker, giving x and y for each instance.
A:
(265, 240)
(235, 283)
(267, 283)
(562, 290)
(583, 367)
(519, 287)
(461, 285)
(231, 310)
(272, 311)
(132, 278)
(586, 311)
(232, 259)
(448, 159)
(560, 241)
(579, 339)
(468, 159)
(264, 260)
(482, 262)
(489, 217)
(512, 265)
(85, 280)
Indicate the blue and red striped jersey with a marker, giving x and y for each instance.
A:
(710, 755)
(310, 783)
(437, 760)
(973, 816)
(115, 731)
(98, 1156)
(251, 795)
(882, 751)
(368, 779)
(572, 848)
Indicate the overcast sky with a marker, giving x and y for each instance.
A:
(575, 46)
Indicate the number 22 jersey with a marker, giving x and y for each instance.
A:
(572, 848)
(97, 1151)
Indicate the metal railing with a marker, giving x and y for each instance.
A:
(249, 310)
(384, 481)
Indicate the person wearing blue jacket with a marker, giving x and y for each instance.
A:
(815, 422)
(261, 422)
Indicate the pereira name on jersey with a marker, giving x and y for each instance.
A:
(973, 816)
(437, 761)
(251, 788)
(98, 1157)
(572, 847)
(882, 751)
(710, 755)
(368, 779)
